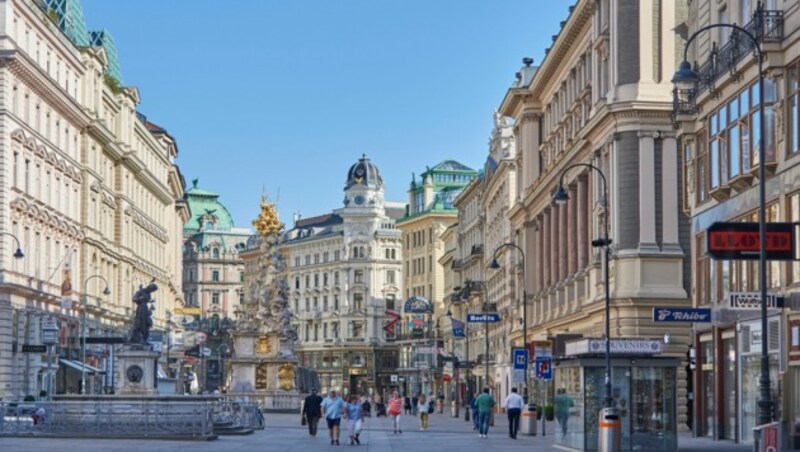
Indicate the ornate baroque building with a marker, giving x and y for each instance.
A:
(213, 270)
(345, 271)
(89, 188)
(602, 96)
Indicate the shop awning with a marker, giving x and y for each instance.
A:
(79, 366)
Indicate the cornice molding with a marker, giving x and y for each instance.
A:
(27, 71)
(40, 150)
(45, 217)
(147, 224)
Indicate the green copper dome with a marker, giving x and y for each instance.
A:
(208, 214)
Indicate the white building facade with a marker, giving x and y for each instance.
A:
(345, 275)
(88, 190)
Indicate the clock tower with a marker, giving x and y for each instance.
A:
(363, 190)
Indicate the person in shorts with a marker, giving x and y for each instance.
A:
(332, 408)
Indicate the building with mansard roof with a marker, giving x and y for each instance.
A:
(345, 275)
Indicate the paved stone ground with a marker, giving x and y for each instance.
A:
(284, 433)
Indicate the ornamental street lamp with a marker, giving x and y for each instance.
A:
(495, 266)
(560, 196)
(85, 303)
(18, 254)
(685, 81)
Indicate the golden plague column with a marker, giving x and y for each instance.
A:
(264, 367)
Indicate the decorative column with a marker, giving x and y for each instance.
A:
(546, 249)
(584, 206)
(554, 242)
(647, 193)
(572, 231)
(670, 180)
(563, 247)
(539, 250)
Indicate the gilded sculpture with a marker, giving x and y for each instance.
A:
(263, 347)
(286, 377)
(267, 222)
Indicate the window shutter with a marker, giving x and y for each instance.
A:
(774, 335)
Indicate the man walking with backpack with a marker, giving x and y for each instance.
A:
(485, 404)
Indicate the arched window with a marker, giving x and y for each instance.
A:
(209, 225)
(215, 253)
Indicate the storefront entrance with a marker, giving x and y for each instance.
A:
(644, 389)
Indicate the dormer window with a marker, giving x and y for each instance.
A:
(215, 253)
(209, 225)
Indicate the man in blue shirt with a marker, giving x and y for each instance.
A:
(332, 409)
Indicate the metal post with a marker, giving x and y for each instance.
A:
(49, 384)
(486, 349)
(609, 400)
(83, 346)
(468, 391)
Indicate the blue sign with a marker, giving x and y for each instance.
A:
(695, 315)
(458, 328)
(543, 368)
(520, 359)
(483, 318)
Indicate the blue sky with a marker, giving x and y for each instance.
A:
(288, 94)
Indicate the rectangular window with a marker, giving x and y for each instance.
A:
(215, 275)
(241, 277)
(336, 278)
(390, 279)
(794, 216)
(215, 298)
(358, 276)
(241, 297)
(325, 279)
(358, 301)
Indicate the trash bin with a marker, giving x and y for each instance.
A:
(528, 420)
(610, 430)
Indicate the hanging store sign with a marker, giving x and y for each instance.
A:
(418, 305)
(752, 300)
(28, 348)
(693, 315)
(741, 241)
(483, 318)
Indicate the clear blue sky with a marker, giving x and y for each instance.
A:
(288, 94)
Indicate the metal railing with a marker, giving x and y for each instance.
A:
(239, 414)
(110, 418)
(766, 26)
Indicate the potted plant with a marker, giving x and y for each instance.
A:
(549, 412)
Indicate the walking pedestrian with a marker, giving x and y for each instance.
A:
(563, 403)
(476, 420)
(312, 410)
(513, 406)
(414, 402)
(485, 404)
(423, 406)
(355, 419)
(395, 408)
(407, 405)
(332, 408)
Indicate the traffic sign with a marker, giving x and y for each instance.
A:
(205, 351)
(200, 337)
(519, 356)
(740, 241)
(543, 368)
(483, 318)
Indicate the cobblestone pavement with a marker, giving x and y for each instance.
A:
(284, 433)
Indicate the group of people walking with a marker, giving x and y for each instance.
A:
(334, 408)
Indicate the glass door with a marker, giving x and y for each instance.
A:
(728, 396)
(653, 414)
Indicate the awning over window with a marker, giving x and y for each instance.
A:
(79, 366)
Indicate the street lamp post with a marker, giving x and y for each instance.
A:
(85, 303)
(495, 266)
(222, 363)
(468, 390)
(18, 254)
(685, 80)
(560, 197)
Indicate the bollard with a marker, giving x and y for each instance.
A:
(609, 436)
(528, 420)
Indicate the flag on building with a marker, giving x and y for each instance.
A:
(458, 327)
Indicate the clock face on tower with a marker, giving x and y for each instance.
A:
(358, 200)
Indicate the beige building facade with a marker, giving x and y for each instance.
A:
(602, 96)
(91, 192)
(720, 135)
